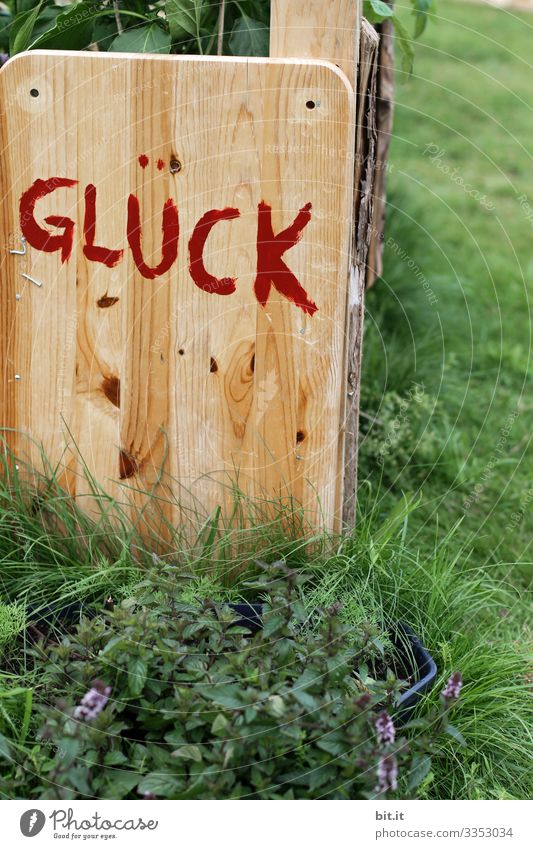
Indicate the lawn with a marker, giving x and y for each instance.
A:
(445, 494)
(460, 185)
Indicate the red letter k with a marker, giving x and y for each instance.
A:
(271, 269)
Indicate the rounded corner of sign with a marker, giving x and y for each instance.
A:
(19, 58)
(337, 71)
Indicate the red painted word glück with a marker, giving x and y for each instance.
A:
(271, 267)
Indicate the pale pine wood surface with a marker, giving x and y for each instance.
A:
(179, 390)
(333, 30)
(317, 29)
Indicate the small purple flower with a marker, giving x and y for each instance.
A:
(385, 728)
(387, 774)
(93, 702)
(453, 687)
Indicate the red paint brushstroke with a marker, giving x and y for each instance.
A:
(271, 269)
(143, 160)
(160, 164)
(205, 281)
(97, 253)
(37, 236)
(171, 231)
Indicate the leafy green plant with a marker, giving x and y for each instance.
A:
(377, 11)
(167, 699)
(163, 26)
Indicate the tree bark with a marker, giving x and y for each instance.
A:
(385, 113)
(365, 156)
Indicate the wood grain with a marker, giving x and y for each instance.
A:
(153, 385)
(336, 31)
(315, 29)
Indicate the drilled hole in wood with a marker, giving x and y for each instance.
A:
(181, 352)
(310, 104)
(213, 365)
(128, 465)
(111, 389)
(300, 436)
(175, 165)
(34, 92)
(106, 301)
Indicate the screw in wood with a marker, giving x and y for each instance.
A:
(23, 251)
(17, 377)
(31, 279)
(18, 296)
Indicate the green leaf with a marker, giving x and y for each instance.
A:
(220, 723)
(136, 676)
(185, 17)
(118, 783)
(114, 758)
(175, 738)
(72, 30)
(332, 746)
(249, 37)
(160, 785)
(191, 753)
(421, 8)
(227, 695)
(149, 38)
(376, 11)
(273, 622)
(46, 20)
(104, 31)
(456, 734)
(22, 29)
(405, 44)
(306, 700)
(379, 645)
(68, 750)
(276, 706)
(420, 768)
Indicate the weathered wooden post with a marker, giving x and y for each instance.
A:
(384, 119)
(181, 296)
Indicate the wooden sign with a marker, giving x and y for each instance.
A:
(174, 276)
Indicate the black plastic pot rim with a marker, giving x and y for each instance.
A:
(250, 616)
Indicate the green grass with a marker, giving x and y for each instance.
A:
(470, 619)
(471, 98)
(454, 560)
